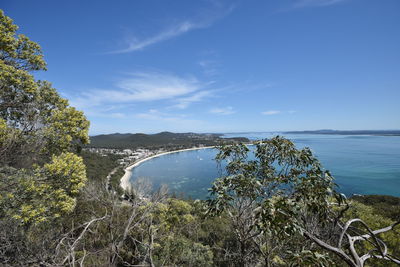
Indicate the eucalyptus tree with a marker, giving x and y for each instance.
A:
(282, 203)
(40, 171)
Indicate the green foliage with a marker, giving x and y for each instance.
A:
(18, 51)
(273, 195)
(66, 171)
(176, 223)
(385, 206)
(310, 258)
(115, 180)
(283, 182)
(376, 219)
(180, 251)
(99, 166)
(38, 133)
(28, 200)
(280, 197)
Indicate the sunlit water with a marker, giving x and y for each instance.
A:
(360, 164)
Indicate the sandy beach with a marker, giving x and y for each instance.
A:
(124, 182)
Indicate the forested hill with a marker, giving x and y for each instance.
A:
(355, 132)
(163, 139)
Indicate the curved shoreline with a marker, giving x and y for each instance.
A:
(124, 182)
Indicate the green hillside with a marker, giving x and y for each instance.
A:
(163, 139)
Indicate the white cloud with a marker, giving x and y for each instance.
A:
(139, 87)
(316, 3)
(167, 91)
(223, 111)
(135, 44)
(205, 20)
(93, 108)
(271, 112)
(184, 102)
(154, 86)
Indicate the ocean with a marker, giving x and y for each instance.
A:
(361, 164)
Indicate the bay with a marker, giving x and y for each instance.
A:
(360, 164)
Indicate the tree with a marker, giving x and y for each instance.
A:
(39, 136)
(357, 241)
(281, 203)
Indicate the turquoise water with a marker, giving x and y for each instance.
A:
(360, 164)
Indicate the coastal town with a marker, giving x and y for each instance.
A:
(118, 178)
(130, 156)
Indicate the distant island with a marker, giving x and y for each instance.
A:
(355, 132)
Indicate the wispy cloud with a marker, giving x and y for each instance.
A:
(316, 3)
(205, 20)
(154, 114)
(271, 112)
(223, 111)
(135, 43)
(250, 86)
(184, 102)
(210, 67)
(155, 86)
(275, 112)
(99, 113)
(139, 87)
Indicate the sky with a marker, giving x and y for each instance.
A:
(220, 66)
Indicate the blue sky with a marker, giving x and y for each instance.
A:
(221, 66)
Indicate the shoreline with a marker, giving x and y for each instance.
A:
(124, 181)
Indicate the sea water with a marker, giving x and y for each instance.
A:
(360, 164)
